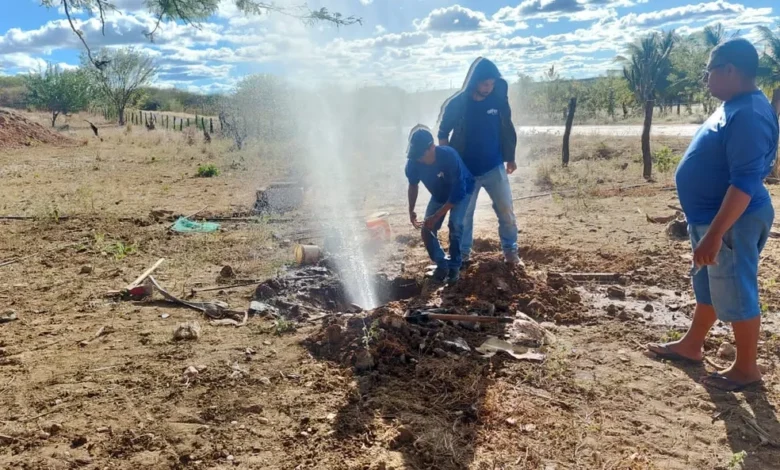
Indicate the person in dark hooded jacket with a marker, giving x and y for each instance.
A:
(477, 122)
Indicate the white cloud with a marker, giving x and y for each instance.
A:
(453, 19)
(687, 13)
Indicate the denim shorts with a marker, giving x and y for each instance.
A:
(731, 285)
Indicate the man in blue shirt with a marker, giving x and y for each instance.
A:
(442, 172)
(480, 123)
(729, 212)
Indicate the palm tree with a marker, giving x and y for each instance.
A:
(646, 69)
(769, 73)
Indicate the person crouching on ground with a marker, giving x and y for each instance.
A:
(730, 213)
(450, 183)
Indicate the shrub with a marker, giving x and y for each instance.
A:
(208, 171)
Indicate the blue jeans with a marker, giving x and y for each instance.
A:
(431, 239)
(496, 183)
(731, 285)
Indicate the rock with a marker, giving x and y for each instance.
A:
(264, 380)
(261, 309)
(86, 269)
(230, 458)
(574, 297)
(263, 421)
(727, 351)
(53, 428)
(458, 345)
(333, 334)
(393, 321)
(535, 307)
(265, 292)
(190, 373)
(189, 331)
(612, 310)
(616, 292)
(43, 435)
(439, 352)
(227, 272)
(764, 367)
(354, 308)
(47, 263)
(78, 441)
(103, 429)
(625, 315)
(403, 437)
(649, 308)
(549, 326)
(364, 361)
(255, 408)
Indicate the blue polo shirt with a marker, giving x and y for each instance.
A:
(736, 146)
(447, 179)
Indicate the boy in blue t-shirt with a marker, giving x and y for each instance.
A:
(450, 183)
(729, 212)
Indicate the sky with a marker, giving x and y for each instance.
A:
(412, 44)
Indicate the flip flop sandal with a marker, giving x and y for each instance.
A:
(725, 384)
(664, 352)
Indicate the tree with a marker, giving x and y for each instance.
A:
(119, 83)
(647, 70)
(769, 73)
(191, 12)
(58, 91)
(258, 109)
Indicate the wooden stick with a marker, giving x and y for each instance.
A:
(146, 274)
(232, 286)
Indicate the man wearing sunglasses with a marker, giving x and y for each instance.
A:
(729, 212)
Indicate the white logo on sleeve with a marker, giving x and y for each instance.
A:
(440, 175)
(493, 112)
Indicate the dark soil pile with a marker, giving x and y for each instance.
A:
(382, 338)
(17, 131)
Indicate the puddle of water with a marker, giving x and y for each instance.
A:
(669, 310)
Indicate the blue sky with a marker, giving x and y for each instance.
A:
(414, 44)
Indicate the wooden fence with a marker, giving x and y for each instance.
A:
(167, 121)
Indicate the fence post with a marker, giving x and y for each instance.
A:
(188, 122)
(567, 132)
(181, 124)
(196, 121)
(211, 125)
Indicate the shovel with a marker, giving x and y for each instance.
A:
(419, 317)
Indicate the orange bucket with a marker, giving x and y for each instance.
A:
(378, 226)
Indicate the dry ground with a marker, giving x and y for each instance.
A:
(120, 400)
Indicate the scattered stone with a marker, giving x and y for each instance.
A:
(53, 428)
(86, 269)
(47, 263)
(458, 345)
(549, 326)
(261, 308)
(78, 441)
(393, 321)
(404, 436)
(535, 307)
(227, 272)
(354, 308)
(43, 435)
(230, 458)
(612, 310)
(8, 316)
(574, 297)
(190, 373)
(616, 292)
(255, 408)
(263, 421)
(364, 361)
(649, 308)
(624, 315)
(439, 352)
(331, 417)
(727, 351)
(333, 334)
(189, 331)
(103, 430)
(165, 316)
(265, 292)
(763, 367)
(646, 296)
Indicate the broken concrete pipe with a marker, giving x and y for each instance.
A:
(307, 254)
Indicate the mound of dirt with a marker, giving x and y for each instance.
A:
(382, 338)
(17, 131)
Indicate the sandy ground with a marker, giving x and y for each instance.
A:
(92, 382)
